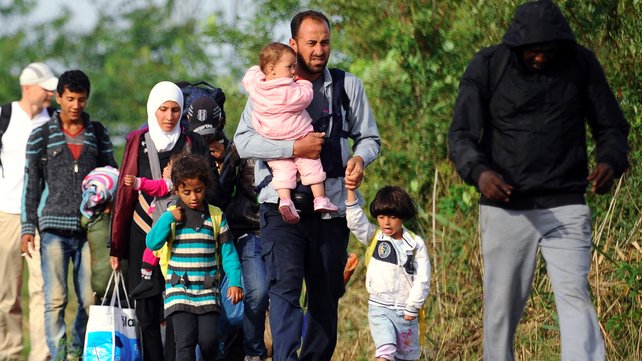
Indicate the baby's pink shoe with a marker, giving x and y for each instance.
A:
(323, 205)
(288, 211)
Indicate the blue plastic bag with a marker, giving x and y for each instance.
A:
(231, 315)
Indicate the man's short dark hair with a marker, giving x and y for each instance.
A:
(393, 201)
(75, 81)
(295, 24)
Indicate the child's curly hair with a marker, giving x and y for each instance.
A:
(190, 166)
(393, 201)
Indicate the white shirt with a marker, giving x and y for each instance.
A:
(14, 147)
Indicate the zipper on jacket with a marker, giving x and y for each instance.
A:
(76, 166)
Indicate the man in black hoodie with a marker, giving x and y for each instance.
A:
(518, 135)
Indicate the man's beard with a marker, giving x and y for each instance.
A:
(303, 65)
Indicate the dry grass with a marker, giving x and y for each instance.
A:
(454, 323)
(454, 317)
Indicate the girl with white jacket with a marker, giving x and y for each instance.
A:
(398, 276)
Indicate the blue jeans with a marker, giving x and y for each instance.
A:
(249, 248)
(314, 250)
(389, 328)
(57, 251)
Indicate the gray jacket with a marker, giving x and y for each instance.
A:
(52, 193)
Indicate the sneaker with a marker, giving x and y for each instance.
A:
(323, 205)
(288, 211)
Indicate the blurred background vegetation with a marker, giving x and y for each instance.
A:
(410, 55)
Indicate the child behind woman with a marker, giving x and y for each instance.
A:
(153, 187)
(279, 103)
(398, 275)
(192, 297)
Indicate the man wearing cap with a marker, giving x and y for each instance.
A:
(37, 83)
(519, 135)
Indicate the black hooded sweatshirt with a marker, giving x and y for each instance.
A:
(529, 126)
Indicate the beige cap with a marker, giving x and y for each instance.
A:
(39, 74)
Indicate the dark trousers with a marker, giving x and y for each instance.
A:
(191, 329)
(148, 313)
(313, 250)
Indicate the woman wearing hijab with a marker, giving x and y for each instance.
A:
(132, 219)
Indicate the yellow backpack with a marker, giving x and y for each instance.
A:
(166, 251)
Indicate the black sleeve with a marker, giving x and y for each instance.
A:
(608, 125)
(469, 119)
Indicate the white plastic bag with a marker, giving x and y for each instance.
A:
(112, 331)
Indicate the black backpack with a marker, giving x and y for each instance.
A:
(5, 117)
(191, 91)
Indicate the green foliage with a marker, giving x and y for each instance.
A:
(410, 55)
(132, 46)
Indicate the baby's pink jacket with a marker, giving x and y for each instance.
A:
(279, 105)
(153, 187)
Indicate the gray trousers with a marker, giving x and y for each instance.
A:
(510, 240)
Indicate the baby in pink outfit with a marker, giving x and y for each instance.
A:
(279, 102)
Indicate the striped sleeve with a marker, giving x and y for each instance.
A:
(33, 189)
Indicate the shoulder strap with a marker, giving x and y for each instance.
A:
(215, 215)
(371, 247)
(339, 95)
(154, 162)
(100, 132)
(5, 116)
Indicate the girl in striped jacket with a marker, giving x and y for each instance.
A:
(199, 241)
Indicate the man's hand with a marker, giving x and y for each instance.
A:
(114, 262)
(354, 173)
(601, 179)
(26, 243)
(309, 146)
(493, 187)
